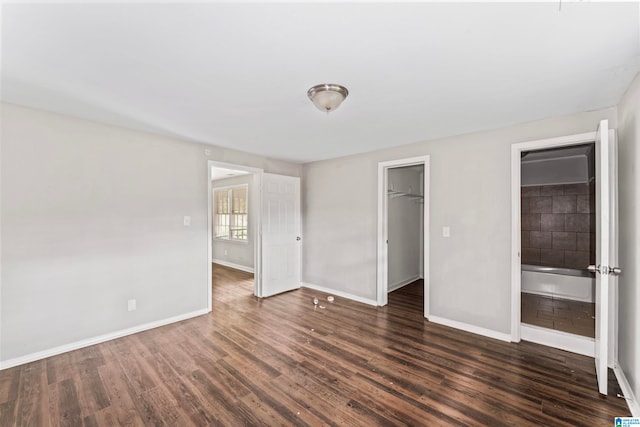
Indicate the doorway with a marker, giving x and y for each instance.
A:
(604, 347)
(558, 235)
(233, 222)
(403, 228)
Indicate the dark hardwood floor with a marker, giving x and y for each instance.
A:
(280, 361)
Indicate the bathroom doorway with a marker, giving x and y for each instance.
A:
(558, 230)
(604, 347)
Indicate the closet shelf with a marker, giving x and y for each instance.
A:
(393, 193)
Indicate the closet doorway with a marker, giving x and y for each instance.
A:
(403, 231)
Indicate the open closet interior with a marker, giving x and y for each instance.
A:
(405, 213)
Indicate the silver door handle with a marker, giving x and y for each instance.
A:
(605, 269)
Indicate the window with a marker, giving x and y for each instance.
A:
(231, 214)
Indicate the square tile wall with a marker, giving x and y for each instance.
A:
(558, 225)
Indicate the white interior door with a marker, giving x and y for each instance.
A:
(606, 246)
(280, 234)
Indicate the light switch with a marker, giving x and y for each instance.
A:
(446, 231)
(187, 221)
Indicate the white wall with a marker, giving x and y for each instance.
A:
(239, 253)
(91, 216)
(629, 224)
(404, 226)
(470, 192)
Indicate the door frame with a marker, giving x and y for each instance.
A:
(255, 197)
(516, 286)
(382, 284)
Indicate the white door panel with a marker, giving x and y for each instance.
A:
(280, 234)
(606, 251)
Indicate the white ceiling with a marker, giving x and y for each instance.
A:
(223, 173)
(236, 75)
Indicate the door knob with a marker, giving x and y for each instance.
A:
(605, 269)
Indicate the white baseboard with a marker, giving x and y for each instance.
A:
(402, 283)
(340, 294)
(558, 339)
(232, 265)
(470, 328)
(97, 340)
(634, 405)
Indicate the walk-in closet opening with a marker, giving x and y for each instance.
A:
(405, 222)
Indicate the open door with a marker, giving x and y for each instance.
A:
(606, 246)
(280, 234)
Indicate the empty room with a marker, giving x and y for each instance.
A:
(319, 213)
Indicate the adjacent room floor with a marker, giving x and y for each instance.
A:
(280, 361)
(575, 317)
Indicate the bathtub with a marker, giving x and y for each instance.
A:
(578, 285)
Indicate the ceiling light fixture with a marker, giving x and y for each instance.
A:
(327, 97)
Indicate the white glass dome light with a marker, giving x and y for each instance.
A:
(327, 97)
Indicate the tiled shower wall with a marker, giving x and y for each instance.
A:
(558, 225)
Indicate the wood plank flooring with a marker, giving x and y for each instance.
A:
(279, 361)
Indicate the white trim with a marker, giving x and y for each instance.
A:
(231, 187)
(233, 265)
(209, 292)
(558, 339)
(470, 328)
(627, 391)
(339, 293)
(254, 197)
(426, 272)
(99, 339)
(402, 283)
(382, 285)
(516, 149)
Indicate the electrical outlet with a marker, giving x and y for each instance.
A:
(225, 252)
(131, 305)
(187, 221)
(446, 231)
